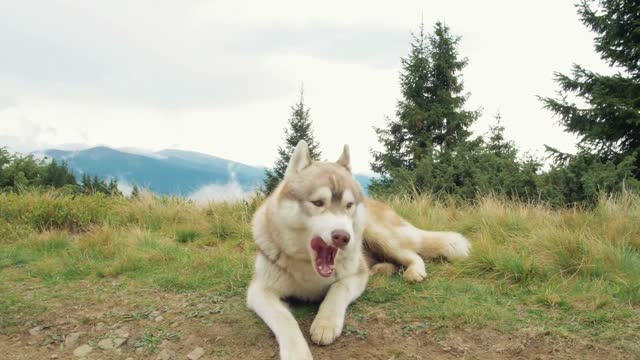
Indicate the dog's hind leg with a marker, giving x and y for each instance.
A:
(277, 316)
(384, 268)
(390, 237)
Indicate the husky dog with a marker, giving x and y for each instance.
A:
(316, 237)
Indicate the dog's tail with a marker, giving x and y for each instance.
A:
(433, 244)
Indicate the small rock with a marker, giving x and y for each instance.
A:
(106, 344)
(196, 354)
(119, 341)
(154, 314)
(100, 327)
(111, 344)
(139, 351)
(82, 350)
(164, 355)
(72, 339)
(174, 325)
(35, 331)
(123, 332)
(159, 319)
(164, 344)
(54, 356)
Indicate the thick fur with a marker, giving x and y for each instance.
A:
(314, 200)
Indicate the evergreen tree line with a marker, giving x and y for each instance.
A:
(20, 173)
(428, 147)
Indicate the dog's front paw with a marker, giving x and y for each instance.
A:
(325, 331)
(296, 353)
(414, 275)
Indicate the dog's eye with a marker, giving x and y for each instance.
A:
(318, 203)
(349, 205)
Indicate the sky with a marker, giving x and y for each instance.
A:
(220, 77)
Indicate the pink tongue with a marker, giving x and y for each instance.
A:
(326, 255)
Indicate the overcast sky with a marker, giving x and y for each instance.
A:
(219, 77)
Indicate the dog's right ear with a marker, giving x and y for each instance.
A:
(345, 158)
(300, 159)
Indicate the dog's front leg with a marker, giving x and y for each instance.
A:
(327, 325)
(277, 316)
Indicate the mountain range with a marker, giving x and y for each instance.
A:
(168, 172)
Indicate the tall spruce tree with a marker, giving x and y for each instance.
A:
(431, 121)
(300, 128)
(451, 121)
(607, 117)
(398, 138)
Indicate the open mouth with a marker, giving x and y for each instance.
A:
(325, 256)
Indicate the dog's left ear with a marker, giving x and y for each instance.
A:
(300, 159)
(345, 158)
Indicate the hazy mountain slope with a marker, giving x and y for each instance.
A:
(167, 171)
(164, 176)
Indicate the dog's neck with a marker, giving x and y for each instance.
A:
(274, 256)
(272, 250)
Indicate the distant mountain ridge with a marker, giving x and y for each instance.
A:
(167, 172)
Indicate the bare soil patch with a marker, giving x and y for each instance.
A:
(152, 324)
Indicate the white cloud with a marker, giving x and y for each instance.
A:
(143, 152)
(125, 187)
(231, 192)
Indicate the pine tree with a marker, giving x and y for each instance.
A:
(98, 185)
(112, 188)
(502, 172)
(398, 139)
(497, 144)
(431, 121)
(57, 175)
(135, 193)
(300, 128)
(607, 116)
(450, 120)
(87, 185)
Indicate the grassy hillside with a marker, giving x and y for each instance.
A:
(539, 281)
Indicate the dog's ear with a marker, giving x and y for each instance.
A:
(300, 159)
(345, 158)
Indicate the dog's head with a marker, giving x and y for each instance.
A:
(323, 201)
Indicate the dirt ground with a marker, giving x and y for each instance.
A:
(115, 323)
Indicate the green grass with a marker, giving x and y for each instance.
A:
(569, 272)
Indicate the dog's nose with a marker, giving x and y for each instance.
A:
(340, 238)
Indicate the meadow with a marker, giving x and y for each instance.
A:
(161, 278)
